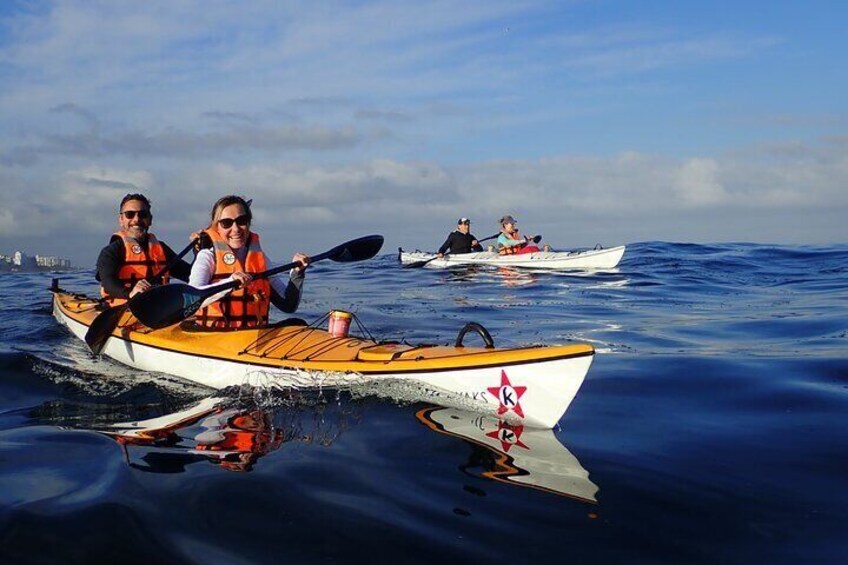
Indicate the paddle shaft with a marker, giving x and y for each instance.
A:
(446, 253)
(169, 304)
(175, 260)
(418, 264)
(209, 291)
(479, 241)
(265, 274)
(487, 238)
(536, 239)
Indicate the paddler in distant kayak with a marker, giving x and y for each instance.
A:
(510, 242)
(127, 265)
(231, 251)
(461, 240)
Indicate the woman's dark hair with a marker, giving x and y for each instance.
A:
(229, 200)
(135, 196)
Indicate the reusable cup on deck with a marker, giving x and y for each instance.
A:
(339, 323)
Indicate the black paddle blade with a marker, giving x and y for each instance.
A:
(164, 306)
(102, 326)
(417, 264)
(356, 249)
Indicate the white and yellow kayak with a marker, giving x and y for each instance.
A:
(532, 386)
(588, 259)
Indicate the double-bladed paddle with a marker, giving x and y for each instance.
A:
(167, 305)
(419, 264)
(104, 324)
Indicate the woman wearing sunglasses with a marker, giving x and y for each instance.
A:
(128, 264)
(232, 252)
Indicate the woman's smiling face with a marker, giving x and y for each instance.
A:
(233, 226)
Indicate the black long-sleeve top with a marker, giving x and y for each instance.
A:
(459, 242)
(111, 259)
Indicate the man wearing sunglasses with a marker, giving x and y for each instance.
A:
(461, 240)
(128, 264)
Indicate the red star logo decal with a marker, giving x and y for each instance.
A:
(508, 395)
(508, 436)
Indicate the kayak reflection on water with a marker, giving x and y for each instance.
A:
(514, 455)
(505, 276)
(237, 437)
(515, 277)
(234, 434)
(227, 433)
(234, 438)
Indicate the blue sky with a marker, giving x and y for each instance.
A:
(591, 122)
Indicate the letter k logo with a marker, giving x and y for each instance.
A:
(508, 396)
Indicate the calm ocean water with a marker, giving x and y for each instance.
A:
(710, 429)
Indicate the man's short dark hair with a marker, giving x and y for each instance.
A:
(135, 196)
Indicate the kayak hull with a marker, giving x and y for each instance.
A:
(551, 260)
(533, 386)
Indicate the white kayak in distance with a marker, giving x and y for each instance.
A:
(587, 259)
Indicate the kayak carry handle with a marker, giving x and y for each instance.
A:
(483, 332)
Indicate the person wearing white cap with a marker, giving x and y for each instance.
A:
(510, 242)
(461, 240)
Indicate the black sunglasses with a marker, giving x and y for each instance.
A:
(142, 214)
(227, 223)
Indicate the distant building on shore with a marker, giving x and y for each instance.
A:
(20, 261)
(52, 262)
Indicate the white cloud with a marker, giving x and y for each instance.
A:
(79, 201)
(402, 116)
(8, 226)
(94, 185)
(697, 183)
(626, 197)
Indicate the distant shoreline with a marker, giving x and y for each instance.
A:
(39, 270)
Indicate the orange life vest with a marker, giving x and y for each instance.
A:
(139, 263)
(511, 249)
(243, 307)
